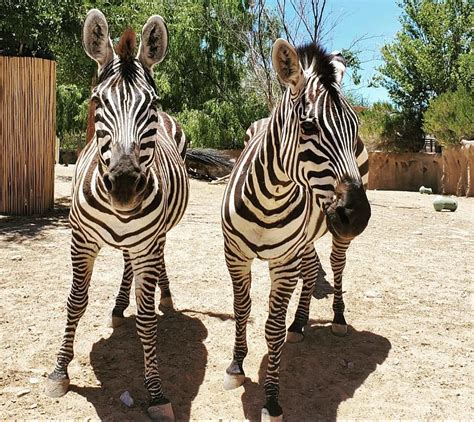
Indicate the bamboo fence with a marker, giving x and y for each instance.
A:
(27, 135)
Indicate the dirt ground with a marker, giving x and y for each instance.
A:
(409, 299)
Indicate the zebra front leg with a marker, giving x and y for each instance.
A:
(309, 273)
(146, 268)
(338, 262)
(284, 278)
(83, 255)
(239, 270)
(166, 299)
(123, 297)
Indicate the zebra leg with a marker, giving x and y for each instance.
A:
(284, 279)
(241, 281)
(166, 299)
(83, 254)
(146, 267)
(123, 297)
(338, 262)
(309, 273)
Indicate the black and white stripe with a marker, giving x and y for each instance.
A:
(300, 174)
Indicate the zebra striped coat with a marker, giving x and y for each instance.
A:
(301, 174)
(129, 189)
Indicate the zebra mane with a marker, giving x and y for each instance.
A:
(315, 57)
(125, 49)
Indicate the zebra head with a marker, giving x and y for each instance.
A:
(125, 102)
(317, 131)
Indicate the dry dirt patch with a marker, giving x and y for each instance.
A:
(409, 298)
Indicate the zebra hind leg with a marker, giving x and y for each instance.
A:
(241, 281)
(123, 297)
(166, 300)
(338, 262)
(309, 273)
(83, 255)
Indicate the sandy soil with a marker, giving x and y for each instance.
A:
(409, 298)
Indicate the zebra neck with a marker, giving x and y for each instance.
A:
(267, 174)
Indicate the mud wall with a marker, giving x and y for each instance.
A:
(451, 172)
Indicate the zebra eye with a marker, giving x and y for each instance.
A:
(309, 128)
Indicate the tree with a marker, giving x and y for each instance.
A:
(449, 117)
(32, 28)
(430, 54)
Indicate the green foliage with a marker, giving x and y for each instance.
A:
(33, 27)
(450, 117)
(71, 116)
(219, 124)
(383, 127)
(431, 54)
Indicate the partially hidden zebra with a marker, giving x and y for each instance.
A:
(302, 173)
(129, 189)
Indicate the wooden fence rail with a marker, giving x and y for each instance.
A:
(27, 135)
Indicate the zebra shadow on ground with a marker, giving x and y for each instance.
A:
(18, 228)
(319, 373)
(117, 362)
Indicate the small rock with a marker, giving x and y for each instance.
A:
(16, 258)
(372, 294)
(33, 406)
(350, 365)
(418, 233)
(126, 399)
(23, 392)
(33, 381)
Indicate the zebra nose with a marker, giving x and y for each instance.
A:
(345, 215)
(108, 182)
(140, 183)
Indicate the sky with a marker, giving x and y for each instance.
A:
(374, 20)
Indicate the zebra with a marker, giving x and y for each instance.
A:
(129, 189)
(301, 175)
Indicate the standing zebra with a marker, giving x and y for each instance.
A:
(130, 187)
(301, 174)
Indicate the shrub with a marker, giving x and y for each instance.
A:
(450, 117)
(71, 117)
(221, 124)
(385, 128)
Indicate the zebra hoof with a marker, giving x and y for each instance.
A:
(233, 381)
(339, 330)
(161, 413)
(56, 386)
(266, 417)
(115, 321)
(294, 337)
(166, 302)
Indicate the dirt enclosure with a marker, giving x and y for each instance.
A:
(409, 299)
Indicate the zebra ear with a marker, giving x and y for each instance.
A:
(339, 63)
(154, 42)
(287, 65)
(96, 40)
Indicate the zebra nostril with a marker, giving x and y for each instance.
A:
(141, 183)
(107, 182)
(343, 215)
